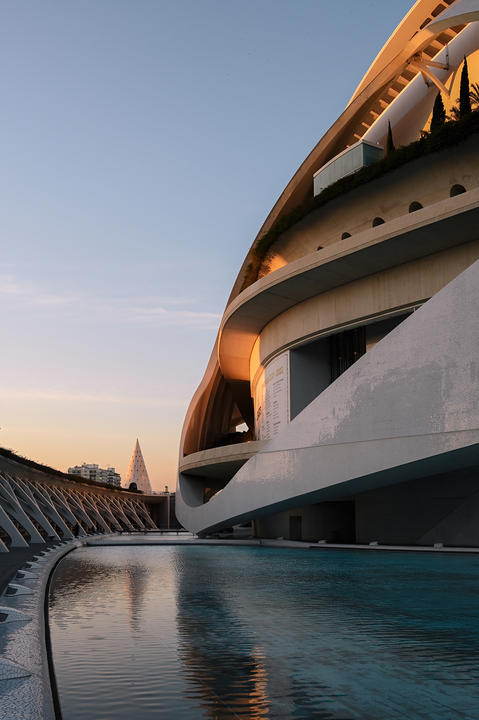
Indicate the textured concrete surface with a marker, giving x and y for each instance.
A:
(25, 690)
(404, 410)
(13, 560)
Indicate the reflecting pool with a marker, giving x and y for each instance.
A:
(249, 632)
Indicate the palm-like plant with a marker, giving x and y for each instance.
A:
(454, 112)
(474, 94)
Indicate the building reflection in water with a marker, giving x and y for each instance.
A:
(199, 632)
(223, 664)
(135, 586)
(235, 622)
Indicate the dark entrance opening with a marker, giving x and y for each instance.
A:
(345, 348)
(295, 527)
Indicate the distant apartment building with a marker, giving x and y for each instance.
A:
(91, 471)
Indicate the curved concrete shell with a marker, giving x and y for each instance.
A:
(36, 508)
(339, 400)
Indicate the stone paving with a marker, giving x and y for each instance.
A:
(16, 557)
(25, 690)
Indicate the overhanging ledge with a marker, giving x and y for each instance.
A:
(451, 222)
(220, 462)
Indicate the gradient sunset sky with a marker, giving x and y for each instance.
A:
(143, 144)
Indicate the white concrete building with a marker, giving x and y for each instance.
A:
(349, 342)
(91, 471)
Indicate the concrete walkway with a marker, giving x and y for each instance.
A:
(15, 558)
(25, 690)
(190, 539)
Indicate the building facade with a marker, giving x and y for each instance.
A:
(340, 400)
(90, 471)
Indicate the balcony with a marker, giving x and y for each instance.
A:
(219, 462)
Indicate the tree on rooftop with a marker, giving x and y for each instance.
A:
(390, 147)
(464, 93)
(438, 113)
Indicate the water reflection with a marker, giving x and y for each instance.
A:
(196, 632)
(224, 666)
(136, 582)
(224, 610)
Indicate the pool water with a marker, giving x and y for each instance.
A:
(249, 632)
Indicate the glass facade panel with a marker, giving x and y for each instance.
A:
(348, 162)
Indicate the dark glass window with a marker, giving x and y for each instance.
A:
(345, 349)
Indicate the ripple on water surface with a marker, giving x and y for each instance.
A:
(221, 632)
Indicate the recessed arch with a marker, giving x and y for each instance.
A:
(415, 206)
(378, 221)
(345, 235)
(457, 190)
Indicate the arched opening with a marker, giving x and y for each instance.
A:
(320, 247)
(345, 235)
(378, 221)
(457, 190)
(415, 206)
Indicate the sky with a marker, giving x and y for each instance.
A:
(143, 144)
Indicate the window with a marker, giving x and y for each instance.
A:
(378, 221)
(415, 206)
(345, 235)
(345, 348)
(457, 190)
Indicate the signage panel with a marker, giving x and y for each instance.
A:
(271, 398)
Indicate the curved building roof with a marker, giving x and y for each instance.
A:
(425, 31)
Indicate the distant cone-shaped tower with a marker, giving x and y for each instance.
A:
(137, 472)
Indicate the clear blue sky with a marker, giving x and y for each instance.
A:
(143, 144)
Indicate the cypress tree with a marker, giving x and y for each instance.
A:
(464, 96)
(390, 147)
(438, 113)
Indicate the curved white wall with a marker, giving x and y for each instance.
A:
(401, 411)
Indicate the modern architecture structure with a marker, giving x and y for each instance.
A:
(137, 472)
(40, 505)
(340, 400)
(90, 471)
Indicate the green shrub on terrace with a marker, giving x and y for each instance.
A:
(10, 455)
(445, 136)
